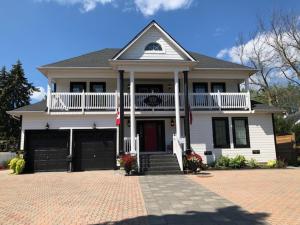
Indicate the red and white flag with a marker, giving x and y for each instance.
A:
(118, 121)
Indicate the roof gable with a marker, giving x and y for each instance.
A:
(135, 49)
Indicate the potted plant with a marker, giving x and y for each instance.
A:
(194, 161)
(128, 162)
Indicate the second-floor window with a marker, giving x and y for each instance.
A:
(77, 86)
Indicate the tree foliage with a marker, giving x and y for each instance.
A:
(15, 93)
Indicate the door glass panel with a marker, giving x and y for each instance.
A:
(215, 87)
(77, 87)
(200, 100)
(97, 87)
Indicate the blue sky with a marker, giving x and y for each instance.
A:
(43, 31)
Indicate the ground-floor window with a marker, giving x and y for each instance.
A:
(240, 131)
(220, 132)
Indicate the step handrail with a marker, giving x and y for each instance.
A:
(178, 150)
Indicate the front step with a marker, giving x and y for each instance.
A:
(157, 164)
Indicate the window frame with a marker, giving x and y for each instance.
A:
(98, 83)
(154, 51)
(227, 132)
(233, 119)
(81, 83)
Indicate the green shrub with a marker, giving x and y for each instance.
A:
(20, 166)
(12, 163)
(252, 163)
(17, 164)
(222, 161)
(271, 163)
(237, 162)
(280, 163)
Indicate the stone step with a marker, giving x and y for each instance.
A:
(156, 164)
(162, 172)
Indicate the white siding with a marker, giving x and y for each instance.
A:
(260, 132)
(31, 122)
(136, 51)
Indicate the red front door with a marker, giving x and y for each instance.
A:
(150, 132)
(152, 135)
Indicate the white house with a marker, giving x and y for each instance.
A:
(169, 100)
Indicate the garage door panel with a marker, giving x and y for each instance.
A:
(47, 150)
(95, 149)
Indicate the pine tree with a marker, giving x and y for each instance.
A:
(16, 93)
(3, 105)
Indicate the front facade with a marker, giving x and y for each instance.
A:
(150, 97)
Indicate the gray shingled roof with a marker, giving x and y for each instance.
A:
(36, 107)
(260, 107)
(101, 59)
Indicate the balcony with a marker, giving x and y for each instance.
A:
(89, 102)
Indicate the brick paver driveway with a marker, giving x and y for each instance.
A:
(97, 197)
(275, 192)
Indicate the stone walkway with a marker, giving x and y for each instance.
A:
(177, 200)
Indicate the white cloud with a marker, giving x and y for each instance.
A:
(38, 95)
(146, 7)
(150, 7)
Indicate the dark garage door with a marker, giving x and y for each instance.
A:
(47, 150)
(94, 149)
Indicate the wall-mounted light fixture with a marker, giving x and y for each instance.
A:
(47, 126)
(172, 122)
(170, 87)
(94, 126)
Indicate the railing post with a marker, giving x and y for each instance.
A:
(82, 101)
(138, 151)
(219, 100)
(116, 100)
(249, 100)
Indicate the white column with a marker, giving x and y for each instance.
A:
(22, 139)
(71, 148)
(177, 105)
(49, 93)
(132, 113)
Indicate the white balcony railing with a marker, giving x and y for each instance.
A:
(220, 100)
(65, 101)
(151, 101)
